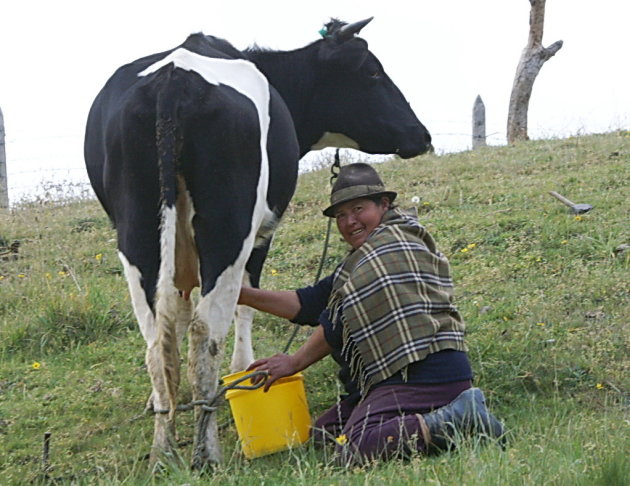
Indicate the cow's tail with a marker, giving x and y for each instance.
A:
(166, 302)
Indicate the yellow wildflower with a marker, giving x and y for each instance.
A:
(21, 275)
(1, 277)
(599, 386)
(426, 203)
(540, 324)
(563, 242)
(578, 218)
(61, 273)
(36, 365)
(274, 272)
(342, 439)
(98, 257)
(48, 275)
(471, 246)
(464, 250)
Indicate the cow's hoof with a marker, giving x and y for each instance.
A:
(160, 461)
(204, 463)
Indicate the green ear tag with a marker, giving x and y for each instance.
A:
(323, 32)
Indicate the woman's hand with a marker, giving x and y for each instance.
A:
(281, 365)
(278, 366)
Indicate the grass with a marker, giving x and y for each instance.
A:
(545, 294)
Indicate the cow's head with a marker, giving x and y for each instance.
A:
(357, 102)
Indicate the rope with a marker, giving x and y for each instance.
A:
(208, 405)
(334, 170)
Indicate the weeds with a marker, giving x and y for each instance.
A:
(546, 297)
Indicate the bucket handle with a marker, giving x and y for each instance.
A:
(208, 405)
(235, 384)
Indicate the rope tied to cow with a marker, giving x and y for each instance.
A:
(209, 405)
(334, 170)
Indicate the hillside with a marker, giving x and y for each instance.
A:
(546, 297)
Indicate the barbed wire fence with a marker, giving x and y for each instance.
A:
(26, 180)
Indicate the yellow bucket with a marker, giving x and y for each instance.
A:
(272, 421)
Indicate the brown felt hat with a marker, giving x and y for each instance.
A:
(355, 181)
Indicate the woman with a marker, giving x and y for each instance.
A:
(386, 316)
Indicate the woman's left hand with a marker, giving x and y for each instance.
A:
(278, 366)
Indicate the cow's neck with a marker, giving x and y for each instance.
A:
(294, 77)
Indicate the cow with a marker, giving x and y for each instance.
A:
(193, 153)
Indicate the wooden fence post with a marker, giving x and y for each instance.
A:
(4, 191)
(479, 124)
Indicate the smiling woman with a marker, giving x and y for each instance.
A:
(387, 317)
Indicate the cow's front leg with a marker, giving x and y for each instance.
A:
(243, 354)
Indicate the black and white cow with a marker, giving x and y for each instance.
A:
(193, 153)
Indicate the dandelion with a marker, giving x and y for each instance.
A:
(48, 275)
(426, 203)
(1, 277)
(61, 273)
(415, 199)
(98, 257)
(36, 365)
(342, 440)
(541, 324)
(274, 272)
(471, 246)
(464, 250)
(21, 275)
(578, 218)
(563, 242)
(599, 386)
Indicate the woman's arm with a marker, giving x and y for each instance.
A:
(315, 348)
(285, 304)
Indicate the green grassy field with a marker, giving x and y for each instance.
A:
(546, 297)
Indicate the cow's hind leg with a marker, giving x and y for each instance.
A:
(207, 336)
(159, 332)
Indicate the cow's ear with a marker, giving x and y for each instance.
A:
(346, 56)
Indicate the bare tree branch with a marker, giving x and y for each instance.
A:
(533, 57)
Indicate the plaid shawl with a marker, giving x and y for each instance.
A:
(394, 298)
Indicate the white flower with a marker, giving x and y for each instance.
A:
(415, 199)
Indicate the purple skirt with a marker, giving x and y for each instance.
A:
(384, 424)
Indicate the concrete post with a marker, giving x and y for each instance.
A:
(479, 124)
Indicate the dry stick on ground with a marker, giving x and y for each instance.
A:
(532, 59)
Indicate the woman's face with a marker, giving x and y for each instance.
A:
(356, 219)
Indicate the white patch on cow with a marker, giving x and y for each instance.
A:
(141, 308)
(338, 140)
(166, 278)
(239, 74)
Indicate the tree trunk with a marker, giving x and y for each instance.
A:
(532, 59)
